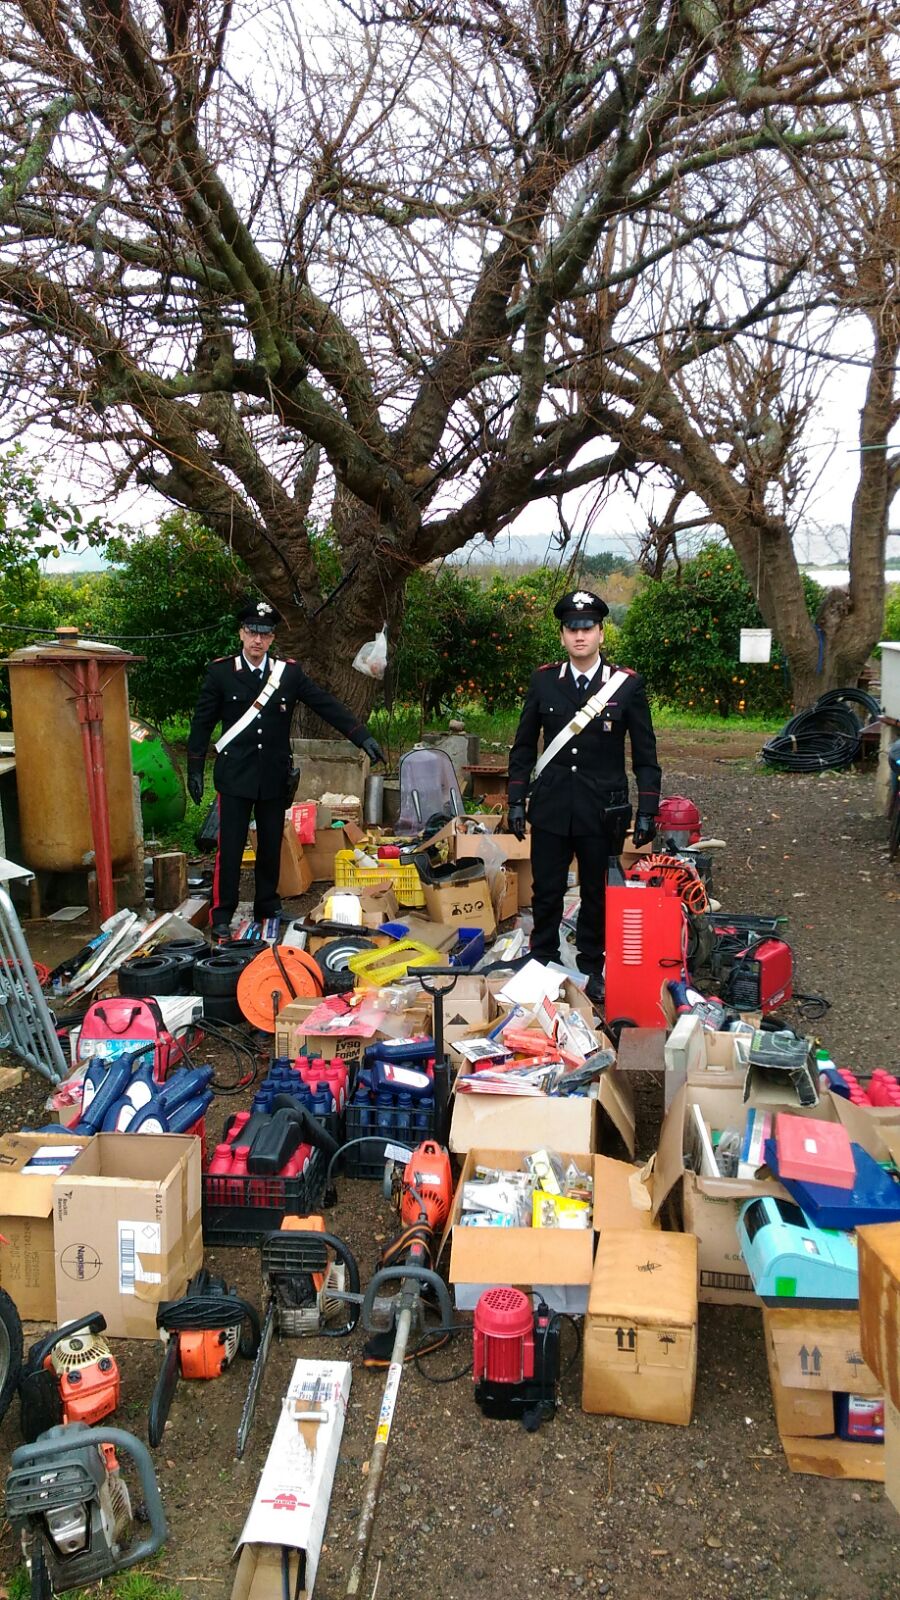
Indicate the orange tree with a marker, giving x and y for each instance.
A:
(683, 633)
(462, 640)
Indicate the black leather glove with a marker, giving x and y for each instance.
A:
(373, 750)
(195, 784)
(517, 818)
(644, 829)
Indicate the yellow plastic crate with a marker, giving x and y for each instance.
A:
(348, 874)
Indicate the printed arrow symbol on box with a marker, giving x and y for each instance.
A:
(816, 1359)
(620, 1338)
(804, 1359)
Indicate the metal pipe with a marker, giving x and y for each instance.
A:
(32, 1032)
(379, 1452)
(89, 706)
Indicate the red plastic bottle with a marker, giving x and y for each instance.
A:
(220, 1164)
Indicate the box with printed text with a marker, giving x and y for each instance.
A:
(127, 1229)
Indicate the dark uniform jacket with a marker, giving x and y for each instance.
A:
(256, 764)
(588, 775)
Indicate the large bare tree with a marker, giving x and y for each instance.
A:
(431, 261)
(734, 427)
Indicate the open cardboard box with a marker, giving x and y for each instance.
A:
(377, 904)
(531, 1122)
(623, 1195)
(294, 1037)
(813, 1355)
(127, 1229)
(294, 872)
(480, 1257)
(27, 1267)
(708, 1206)
(290, 1507)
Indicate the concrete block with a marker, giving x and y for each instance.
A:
(329, 766)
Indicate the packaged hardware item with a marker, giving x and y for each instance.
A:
(559, 1211)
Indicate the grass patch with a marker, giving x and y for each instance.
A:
(127, 1586)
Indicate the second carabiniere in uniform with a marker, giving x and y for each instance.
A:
(578, 795)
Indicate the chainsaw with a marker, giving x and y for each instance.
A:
(67, 1498)
(311, 1281)
(203, 1331)
(69, 1376)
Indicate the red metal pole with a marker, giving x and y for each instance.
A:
(89, 706)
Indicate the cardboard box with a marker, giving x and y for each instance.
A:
(694, 1054)
(293, 1036)
(812, 1355)
(623, 1195)
(708, 1207)
(505, 894)
(892, 1453)
(127, 1229)
(290, 1507)
(561, 1122)
(516, 854)
(517, 1256)
(294, 872)
(879, 1303)
(27, 1270)
(377, 904)
(640, 1336)
(464, 905)
(320, 855)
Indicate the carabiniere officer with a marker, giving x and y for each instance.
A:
(253, 765)
(578, 801)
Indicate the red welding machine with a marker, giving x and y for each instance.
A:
(760, 977)
(515, 1360)
(645, 931)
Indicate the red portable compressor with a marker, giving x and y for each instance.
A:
(515, 1360)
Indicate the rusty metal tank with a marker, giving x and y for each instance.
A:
(69, 700)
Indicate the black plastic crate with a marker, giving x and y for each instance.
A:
(381, 1126)
(239, 1211)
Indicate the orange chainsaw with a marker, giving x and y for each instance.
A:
(205, 1330)
(70, 1375)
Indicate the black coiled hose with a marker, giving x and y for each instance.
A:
(826, 736)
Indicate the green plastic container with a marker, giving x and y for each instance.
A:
(163, 797)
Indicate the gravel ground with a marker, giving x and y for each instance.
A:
(589, 1505)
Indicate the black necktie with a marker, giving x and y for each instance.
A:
(582, 684)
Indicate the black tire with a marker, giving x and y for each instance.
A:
(245, 949)
(222, 1008)
(143, 975)
(11, 1350)
(332, 960)
(186, 960)
(216, 976)
(187, 949)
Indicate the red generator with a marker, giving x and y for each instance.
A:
(645, 930)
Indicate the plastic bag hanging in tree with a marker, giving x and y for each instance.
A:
(371, 658)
